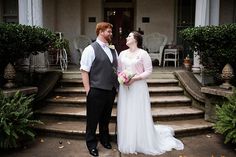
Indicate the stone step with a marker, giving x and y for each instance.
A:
(155, 74)
(151, 82)
(161, 81)
(64, 113)
(153, 91)
(158, 113)
(179, 100)
(76, 129)
(189, 127)
(71, 74)
(162, 75)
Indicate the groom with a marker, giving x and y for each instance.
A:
(98, 68)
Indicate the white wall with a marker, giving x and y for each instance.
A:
(161, 14)
(91, 8)
(68, 17)
(64, 16)
(49, 14)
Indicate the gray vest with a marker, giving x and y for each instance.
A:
(102, 74)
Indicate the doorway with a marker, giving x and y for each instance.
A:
(122, 20)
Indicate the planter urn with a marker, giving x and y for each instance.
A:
(227, 75)
(187, 63)
(9, 75)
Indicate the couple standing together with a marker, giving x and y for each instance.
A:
(136, 131)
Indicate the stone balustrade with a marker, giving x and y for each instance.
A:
(24, 90)
(214, 95)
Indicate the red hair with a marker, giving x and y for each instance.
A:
(103, 26)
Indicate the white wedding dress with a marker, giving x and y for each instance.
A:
(136, 130)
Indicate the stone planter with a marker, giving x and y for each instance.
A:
(9, 75)
(187, 63)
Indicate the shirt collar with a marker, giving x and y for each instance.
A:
(102, 44)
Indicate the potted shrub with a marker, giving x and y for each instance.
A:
(187, 63)
(16, 120)
(59, 43)
(216, 46)
(20, 41)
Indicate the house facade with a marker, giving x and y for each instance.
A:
(79, 17)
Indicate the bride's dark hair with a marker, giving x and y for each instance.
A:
(138, 37)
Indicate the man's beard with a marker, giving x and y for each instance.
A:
(108, 39)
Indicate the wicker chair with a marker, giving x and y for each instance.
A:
(154, 43)
(81, 42)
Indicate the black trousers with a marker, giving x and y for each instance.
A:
(99, 107)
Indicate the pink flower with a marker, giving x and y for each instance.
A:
(125, 76)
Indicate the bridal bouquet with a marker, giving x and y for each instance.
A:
(125, 76)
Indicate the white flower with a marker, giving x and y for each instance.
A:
(111, 47)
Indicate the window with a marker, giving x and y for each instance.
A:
(10, 11)
(185, 13)
(185, 18)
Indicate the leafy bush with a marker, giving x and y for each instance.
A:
(15, 120)
(226, 119)
(216, 46)
(20, 41)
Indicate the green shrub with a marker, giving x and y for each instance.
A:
(15, 120)
(20, 41)
(226, 119)
(216, 46)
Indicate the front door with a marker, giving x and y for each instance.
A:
(122, 20)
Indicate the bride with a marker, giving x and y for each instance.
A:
(136, 130)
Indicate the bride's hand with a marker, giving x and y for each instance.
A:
(133, 79)
(130, 82)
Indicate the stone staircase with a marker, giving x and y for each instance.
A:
(64, 113)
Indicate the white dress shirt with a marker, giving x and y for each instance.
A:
(88, 55)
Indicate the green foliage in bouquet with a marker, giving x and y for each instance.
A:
(226, 119)
(15, 120)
